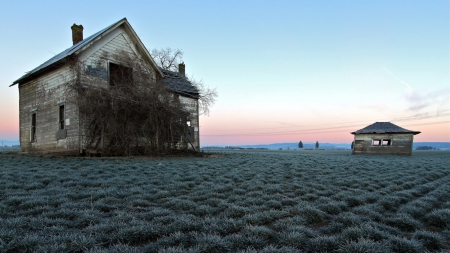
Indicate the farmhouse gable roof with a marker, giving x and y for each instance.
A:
(59, 59)
(384, 128)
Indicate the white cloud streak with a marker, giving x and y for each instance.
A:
(398, 79)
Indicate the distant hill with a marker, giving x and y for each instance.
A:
(294, 145)
(9, 143)
(436, 145)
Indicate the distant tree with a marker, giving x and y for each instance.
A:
(167, 58)
(352, 144)
(317, 144)
(300, 144)
(425, 148)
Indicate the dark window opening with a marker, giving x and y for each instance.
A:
(386, 142)
(120, 75)
(33, 128)
(61, 117)
(376, 142)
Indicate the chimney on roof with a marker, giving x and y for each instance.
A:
(77, 33)
(182, 68)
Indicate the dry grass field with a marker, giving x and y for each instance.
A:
(245, 201)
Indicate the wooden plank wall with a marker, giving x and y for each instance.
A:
(401, 144)
(42, 96)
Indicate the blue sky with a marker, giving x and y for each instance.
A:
(284, 70)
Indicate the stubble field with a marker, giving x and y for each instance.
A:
(265, 201)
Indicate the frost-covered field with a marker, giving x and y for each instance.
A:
(266, 201)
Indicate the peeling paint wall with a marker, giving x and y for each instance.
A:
(43, 96)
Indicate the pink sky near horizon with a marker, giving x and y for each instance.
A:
(9, 130)
(429, 133)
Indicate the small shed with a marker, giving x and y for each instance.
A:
(383, 138)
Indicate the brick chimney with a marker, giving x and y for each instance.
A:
(77, 33)
(181, 68)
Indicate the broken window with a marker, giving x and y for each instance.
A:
(119, 74)
(386, 142)
(376, 142)
(33, 128)
(61, 117)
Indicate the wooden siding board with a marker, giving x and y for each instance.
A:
(42, 94)
(401, 144)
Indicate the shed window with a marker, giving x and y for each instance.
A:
(386, 142)
(33, 128)
(61, 117)
(119, 74)
(376, 142)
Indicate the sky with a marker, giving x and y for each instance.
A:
(285, 71)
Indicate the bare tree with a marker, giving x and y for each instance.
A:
(207, 98)
(167, 58)
(132, 114)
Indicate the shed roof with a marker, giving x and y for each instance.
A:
(178, 83)
(384, 128)
(53, 62)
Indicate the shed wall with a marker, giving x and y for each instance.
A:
(401, 144)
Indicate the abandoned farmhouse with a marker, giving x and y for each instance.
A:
(49, 113)
(383, 138)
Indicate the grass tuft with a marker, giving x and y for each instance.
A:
(431, 241)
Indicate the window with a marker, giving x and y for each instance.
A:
(188, 122)
(119, 75)
(61, 117)
(33, 128)
(381, 142)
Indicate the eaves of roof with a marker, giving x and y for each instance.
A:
(384, 128)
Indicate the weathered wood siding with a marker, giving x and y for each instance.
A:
(191, 104)
(401, 144)
(111, 48)
(43, 96)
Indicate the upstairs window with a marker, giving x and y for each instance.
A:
(119, 74)
(33, 128)
(61, 117)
